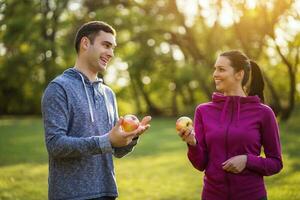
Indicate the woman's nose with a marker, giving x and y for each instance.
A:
(215, 74)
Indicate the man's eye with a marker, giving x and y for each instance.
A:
(106, 45)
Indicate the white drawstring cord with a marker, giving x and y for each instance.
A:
(89, 102)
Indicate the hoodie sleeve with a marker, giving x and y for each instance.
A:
(56, 116)
(272, 163)
(198, 154)
(120, 152)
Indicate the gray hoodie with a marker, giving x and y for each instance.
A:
(78, 114)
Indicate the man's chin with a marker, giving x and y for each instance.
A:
(102, 68)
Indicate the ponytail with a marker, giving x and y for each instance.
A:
(239, 61)
(257, 82)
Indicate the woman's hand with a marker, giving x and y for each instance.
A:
(235, 164)
(188, 136)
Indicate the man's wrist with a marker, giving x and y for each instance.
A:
(135, 138)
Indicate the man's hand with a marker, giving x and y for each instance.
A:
(188, 136)
(235, 164)
(119, 138)
(144, 125)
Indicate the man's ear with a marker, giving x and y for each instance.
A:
(84, 43)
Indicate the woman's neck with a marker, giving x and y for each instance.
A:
(235, 92)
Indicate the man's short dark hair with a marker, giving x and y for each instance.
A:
(90, 30)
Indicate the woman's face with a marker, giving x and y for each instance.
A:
(226, 79)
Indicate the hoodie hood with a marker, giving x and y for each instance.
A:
(98, 83)
(79, 75)
(235, 102)
(219, 97)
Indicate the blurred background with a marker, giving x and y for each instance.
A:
(166, 49)
(163, 67)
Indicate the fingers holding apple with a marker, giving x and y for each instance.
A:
(117, 136)
(146, 120)
(184, 123)
(131, 123)
(185, 133)
(189, 137)
(145, 124)
(184, 127)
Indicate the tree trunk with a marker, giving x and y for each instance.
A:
(174, 103)
(275, 102)
(151, 106)
(136, 97)
(286, 112)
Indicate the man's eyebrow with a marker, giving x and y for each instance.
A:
(109, 43)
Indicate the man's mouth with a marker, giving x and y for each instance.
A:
(104, 60)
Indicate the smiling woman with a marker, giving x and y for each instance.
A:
(230, 131)
(245, 75)
(226, 79)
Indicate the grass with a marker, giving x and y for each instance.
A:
(157, 170)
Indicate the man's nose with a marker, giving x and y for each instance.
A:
(111, 53)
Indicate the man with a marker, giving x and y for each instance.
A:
(82, 128)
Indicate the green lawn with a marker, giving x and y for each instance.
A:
(157, 169)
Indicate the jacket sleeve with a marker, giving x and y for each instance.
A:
(198, 154)
(272, 163)
(56, 116)
(120, 152)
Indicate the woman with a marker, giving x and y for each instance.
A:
(230, 131)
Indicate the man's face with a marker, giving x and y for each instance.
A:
(100, 52)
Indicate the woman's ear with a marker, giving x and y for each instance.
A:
(240, 75)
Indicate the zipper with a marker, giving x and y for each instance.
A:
(226, 148)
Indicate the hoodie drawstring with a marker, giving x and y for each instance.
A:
(89, 102)
(237, 103)
(224, 110)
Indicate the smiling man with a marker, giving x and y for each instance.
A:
(82, 127)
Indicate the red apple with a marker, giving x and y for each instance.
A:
(183, 123)
(130, 123)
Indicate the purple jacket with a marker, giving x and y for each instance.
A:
(230, 126)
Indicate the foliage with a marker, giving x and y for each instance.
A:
(165, 51)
